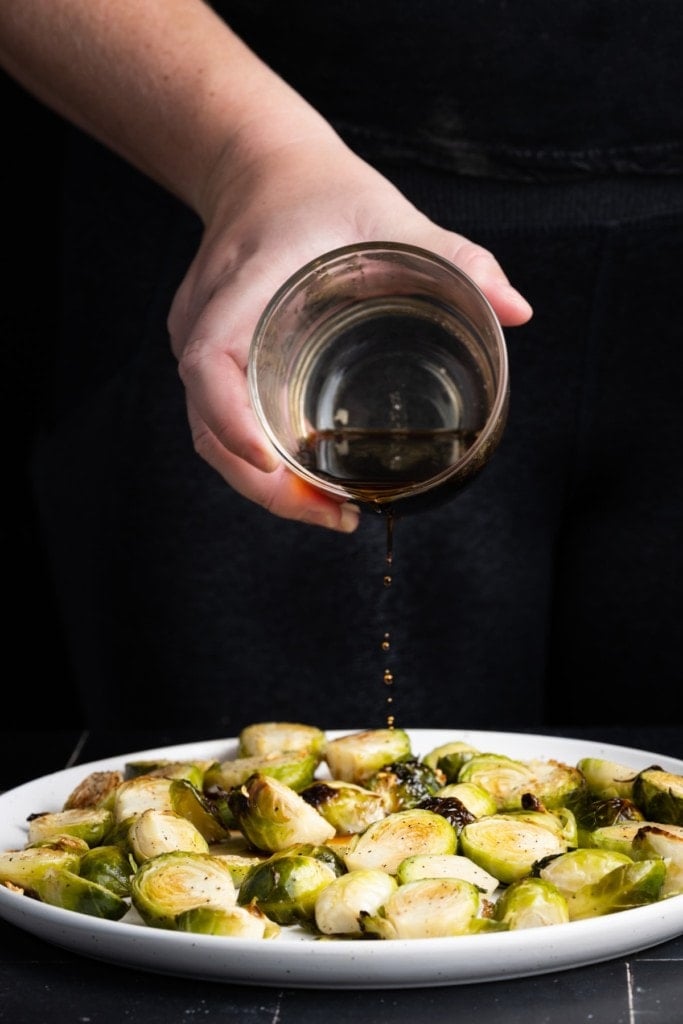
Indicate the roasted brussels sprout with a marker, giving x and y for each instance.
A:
(286, 887)
(449, 758)
(508, 780)
(236, 922)
(357, 756)
(575, 869)
(618, 837)
(272, 816)
(446, 865)
(386, 843)
(607, 779)
(263, 739)
(508, 846)
(341, 904)
(295, 769)
(531, 903)
(665, 841)
(403, 784)
(660, 796)
(108, 866)
(428, 909)
(164, 886)
(63, 888)
(191, 803)
(154, 832)
(25, 868)
(625, 887)
(96, 790)
(89, 823)
(347, 807)
(139, 794)
(476, 799)
(592, 813)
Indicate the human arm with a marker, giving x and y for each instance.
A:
(168, 86)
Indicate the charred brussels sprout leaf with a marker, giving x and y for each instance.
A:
(450, 808)
(191, 803)
(403, 784)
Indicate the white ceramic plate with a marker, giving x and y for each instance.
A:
(293, 960)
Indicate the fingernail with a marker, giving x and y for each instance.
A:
(349, 516)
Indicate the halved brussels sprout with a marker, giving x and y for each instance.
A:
(357, 756)
(627, 886)
(574, 869)
(89, 823)
(108, 866)
(664, 841)
(508, 780)
(193, 771)
(403, 784)
(295, 769)
(63, 888)
(561, 822)
(618, 837)
(272, 816)
(139, 794)
(385, 843)
(154, 832)
(476, 799)
(95, 790)
(446, 865)
(531, 903)
(340, 906)
(265, 738)
(607, 779)
(659, 794)
(237, 854)
(450, 757)
(428, 909)
(347, 807)
(25, 868)
(321, 851)
(191, 803)
(165, 886)
(286, 887)
(594, 812)
(236, 922)
(507, 846)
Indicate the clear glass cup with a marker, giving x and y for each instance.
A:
(379, 372)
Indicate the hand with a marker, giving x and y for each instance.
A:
(303, 199)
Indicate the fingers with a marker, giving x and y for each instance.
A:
(510, 306)
(280, 491)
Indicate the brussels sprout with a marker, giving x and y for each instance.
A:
(625, 887)
(237, 922)
(139, 794)
(357, 756)
(572, 870)
(428, 909)
(89, 823)
(618, 837)
(664, 841)
(163, 768)
(475, 798)
(450, 808)
(508, 780)
(272, 816)
(295, 769)
(446, 865)
(74, 844)
(322, 852)
(385, 843)
(607, 779)
(63, 888)
(660, 795)
(449, 758)
(286, 887)
(346, 806)
(191, 803)
(561, 822)
(266, 738)
(403, 784)
(25, 868)
(154, 832)
(507, 846)
(108, 866)
(592, 813)
(165, 886)
(95, 790)
(237, 854)
(340, 906)
(531, 903)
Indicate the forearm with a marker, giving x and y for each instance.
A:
(164, 83)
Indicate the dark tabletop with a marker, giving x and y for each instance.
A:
(41, 983)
